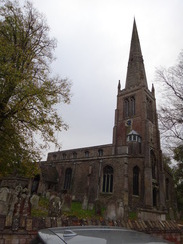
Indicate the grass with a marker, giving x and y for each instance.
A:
(42, 209)
(75, 211)
(39, 213)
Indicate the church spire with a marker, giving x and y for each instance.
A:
(136, 75)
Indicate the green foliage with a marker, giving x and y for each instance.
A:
(43, 202)
(28, 92)
(132, 215)
(178, 154)
(178, 176)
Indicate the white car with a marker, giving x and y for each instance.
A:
(93, 235)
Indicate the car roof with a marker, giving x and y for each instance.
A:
(95, 234)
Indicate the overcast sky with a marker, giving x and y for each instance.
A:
(93, 47)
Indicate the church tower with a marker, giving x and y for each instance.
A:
(136, 126)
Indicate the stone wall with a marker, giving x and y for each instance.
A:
(21, 230)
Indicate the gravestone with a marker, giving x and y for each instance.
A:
(48, 195)
(85, 203)
(111, 211)
(120, 210)
(14, 200)
(4, 200)
(90, 206)
(98, 207)
(55, 206)
(34, 200)
(67, 200)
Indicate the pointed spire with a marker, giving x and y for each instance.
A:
(136, 71)
(119, 85)
(153, 90)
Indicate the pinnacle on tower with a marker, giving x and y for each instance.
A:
(136, 75)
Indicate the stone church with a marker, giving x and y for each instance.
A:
(130, 170)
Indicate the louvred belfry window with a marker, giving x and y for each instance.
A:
(129, 107)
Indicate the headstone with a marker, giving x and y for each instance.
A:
(67, 200)
(85, 203)
(34, 200)
(29, 224)
(90, 206)
(48, 195)
(3, 208)
(26, 209)
(4, 194)
(17, 208)
(15, 224)
(55, 207)
(120, 210)
(111, 211)
(98, 207)
(9, 220)
(14, 199)
(47, 222)
(4, 200)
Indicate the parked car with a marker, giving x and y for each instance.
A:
(93, 235)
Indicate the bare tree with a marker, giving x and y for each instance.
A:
(171, 110)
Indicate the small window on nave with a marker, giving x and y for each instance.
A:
(64, 155)
(100, 152)
(74, 155)
(87, 154)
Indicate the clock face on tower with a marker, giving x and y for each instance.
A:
(128, 122)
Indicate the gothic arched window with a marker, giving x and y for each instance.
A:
(132, 105)
(126, 108)
(67, 182)
(136, 173)
(129, 106)
(107, 179)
